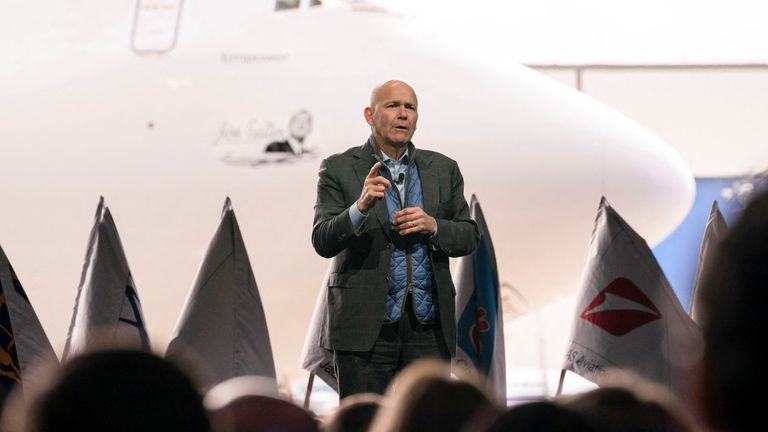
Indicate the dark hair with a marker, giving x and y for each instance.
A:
(120, 390)
(540, 416)
(621, 410)
(354, 414)
(425, 398)
(258, 413)
(733, 298)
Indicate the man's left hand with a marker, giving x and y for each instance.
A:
(413, 220)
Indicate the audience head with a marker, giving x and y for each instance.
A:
(630, 404)
(542, 416)
(251, 403)
(118, 390)
(233, 388)
(257, 413)
(425, 398)
(732, 303)
(354, 414)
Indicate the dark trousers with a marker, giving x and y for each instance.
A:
(399, 344)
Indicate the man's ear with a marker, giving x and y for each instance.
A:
(368, 113)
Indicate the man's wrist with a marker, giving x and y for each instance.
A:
(434, 243)
(362, 212)
(357, 218)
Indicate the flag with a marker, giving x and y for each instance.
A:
(23, 342)
(222, 323)
(107, 307)
(480, 324)
(627, 315)
(714, 231)
(315, 358)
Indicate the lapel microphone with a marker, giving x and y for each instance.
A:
(399, 179)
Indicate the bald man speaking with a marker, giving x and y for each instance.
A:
(390, 216)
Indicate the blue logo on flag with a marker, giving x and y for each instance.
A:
(477, 323)
(135, 321)
(10, 372)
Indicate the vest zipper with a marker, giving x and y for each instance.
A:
(408, 263)
(408, 266)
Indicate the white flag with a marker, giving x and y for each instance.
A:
(714, 231)
(627, 316)
(222, 324)
(107, 308)
(315, 358)
(479, 319)
(23, 343)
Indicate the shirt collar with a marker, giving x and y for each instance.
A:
(385, 158)
(403, 159)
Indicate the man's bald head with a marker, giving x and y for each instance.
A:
(377, 91)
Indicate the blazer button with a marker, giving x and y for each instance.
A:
(389, 245)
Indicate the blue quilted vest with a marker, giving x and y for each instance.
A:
(413, 248)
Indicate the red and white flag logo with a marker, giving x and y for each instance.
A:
(629, 318)
(620, 308)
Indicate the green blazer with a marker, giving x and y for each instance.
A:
(358, 280)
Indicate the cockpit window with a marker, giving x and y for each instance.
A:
(315, 3)
(286, 4)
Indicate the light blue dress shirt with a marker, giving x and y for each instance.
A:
(395, 167)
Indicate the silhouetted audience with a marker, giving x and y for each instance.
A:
(425, 398)
(116, 391)
(542, 416)
(233, 388)
(121, 389)
(253, 404)
(618, 409)
(257, 413)
(354, 414)
(733, 298)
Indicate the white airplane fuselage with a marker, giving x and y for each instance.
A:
(166, 136)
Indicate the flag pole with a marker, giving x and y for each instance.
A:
(560, 384)
(308, 394)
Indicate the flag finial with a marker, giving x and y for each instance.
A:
(100, 208)
(227, 206)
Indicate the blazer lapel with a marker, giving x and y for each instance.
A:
(429, 184)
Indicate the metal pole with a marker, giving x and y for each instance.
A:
(308, 394)
(560, 384)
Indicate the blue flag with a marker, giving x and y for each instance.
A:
(24, 346)
(10, 372)
(480, 338)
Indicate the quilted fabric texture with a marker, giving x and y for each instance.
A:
(418, 249)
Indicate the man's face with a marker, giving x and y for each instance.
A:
(393, 114)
